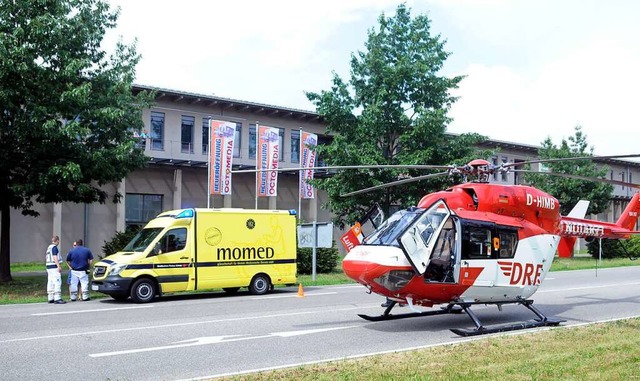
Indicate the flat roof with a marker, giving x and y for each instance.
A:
(303, 115)
(239, 105)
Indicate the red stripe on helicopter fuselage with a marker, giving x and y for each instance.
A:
(423, 293)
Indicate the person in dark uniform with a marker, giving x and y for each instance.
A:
(79, 260)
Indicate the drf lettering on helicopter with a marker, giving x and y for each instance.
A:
(521, 273)
(541, 201)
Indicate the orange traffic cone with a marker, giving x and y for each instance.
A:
(300, 291)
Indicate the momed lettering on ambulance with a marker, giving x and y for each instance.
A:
(244, 253)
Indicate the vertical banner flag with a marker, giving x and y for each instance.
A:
(267, 157)
(307, 160)
(221, 151)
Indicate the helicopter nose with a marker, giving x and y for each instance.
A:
(360, 270)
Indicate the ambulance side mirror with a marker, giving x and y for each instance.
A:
(156, 249)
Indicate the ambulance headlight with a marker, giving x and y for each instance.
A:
(394, 280)
(117, 269)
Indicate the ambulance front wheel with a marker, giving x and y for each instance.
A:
(143, 291)
(260, 284)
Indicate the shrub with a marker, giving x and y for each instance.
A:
(613, 248)
(326, 260)
(120, 240)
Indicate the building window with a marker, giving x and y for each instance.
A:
(295, 146)
(323, 140)
(157, 131)
(237, 143)
(505, 175)
(516, 175)
(281, 142)
(141, 208)
(205, 136)
(494, 161)
(253, 141)
(186, 133)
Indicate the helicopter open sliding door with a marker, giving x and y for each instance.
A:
(420, 238)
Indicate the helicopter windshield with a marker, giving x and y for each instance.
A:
(418, 240)
(388, 233)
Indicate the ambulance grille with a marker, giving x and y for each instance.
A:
(99, 271)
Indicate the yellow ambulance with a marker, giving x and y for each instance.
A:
(198, 249)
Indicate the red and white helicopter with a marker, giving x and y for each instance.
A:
(474, 243)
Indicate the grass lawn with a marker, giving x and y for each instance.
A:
(609, 351)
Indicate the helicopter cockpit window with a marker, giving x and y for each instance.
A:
(389, 231)
(508, 243)
(476, 243)
(488, 242)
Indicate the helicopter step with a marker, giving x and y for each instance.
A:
(480, 329)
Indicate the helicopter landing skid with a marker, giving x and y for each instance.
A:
(386, 315)
(541, 321)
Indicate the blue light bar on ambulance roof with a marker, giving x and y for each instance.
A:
(292, 212)
(187, 213)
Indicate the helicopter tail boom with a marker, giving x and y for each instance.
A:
(629, 216)
(572, 228)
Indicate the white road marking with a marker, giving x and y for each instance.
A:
(260, 317)
(454, 342)
(83, 311)
(590, 287)
(216, 340)
(292, 296)
(359, 307)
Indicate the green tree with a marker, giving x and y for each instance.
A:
(569, 191)
(68, 111)
(393, 110)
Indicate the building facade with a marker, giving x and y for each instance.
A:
(175, 138)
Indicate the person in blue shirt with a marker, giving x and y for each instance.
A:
(79, 260)
(53, 261)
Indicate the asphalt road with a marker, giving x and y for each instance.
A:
(209, 335)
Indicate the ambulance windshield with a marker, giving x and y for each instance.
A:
(143, 239)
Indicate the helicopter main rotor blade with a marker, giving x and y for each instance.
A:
(338, 167)
(507, 165)
(578, 177)
(394, 183)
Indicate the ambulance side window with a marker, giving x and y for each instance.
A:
(173, 240)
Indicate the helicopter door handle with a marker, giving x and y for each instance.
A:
(184, 257)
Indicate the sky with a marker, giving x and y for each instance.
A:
(533, 69)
